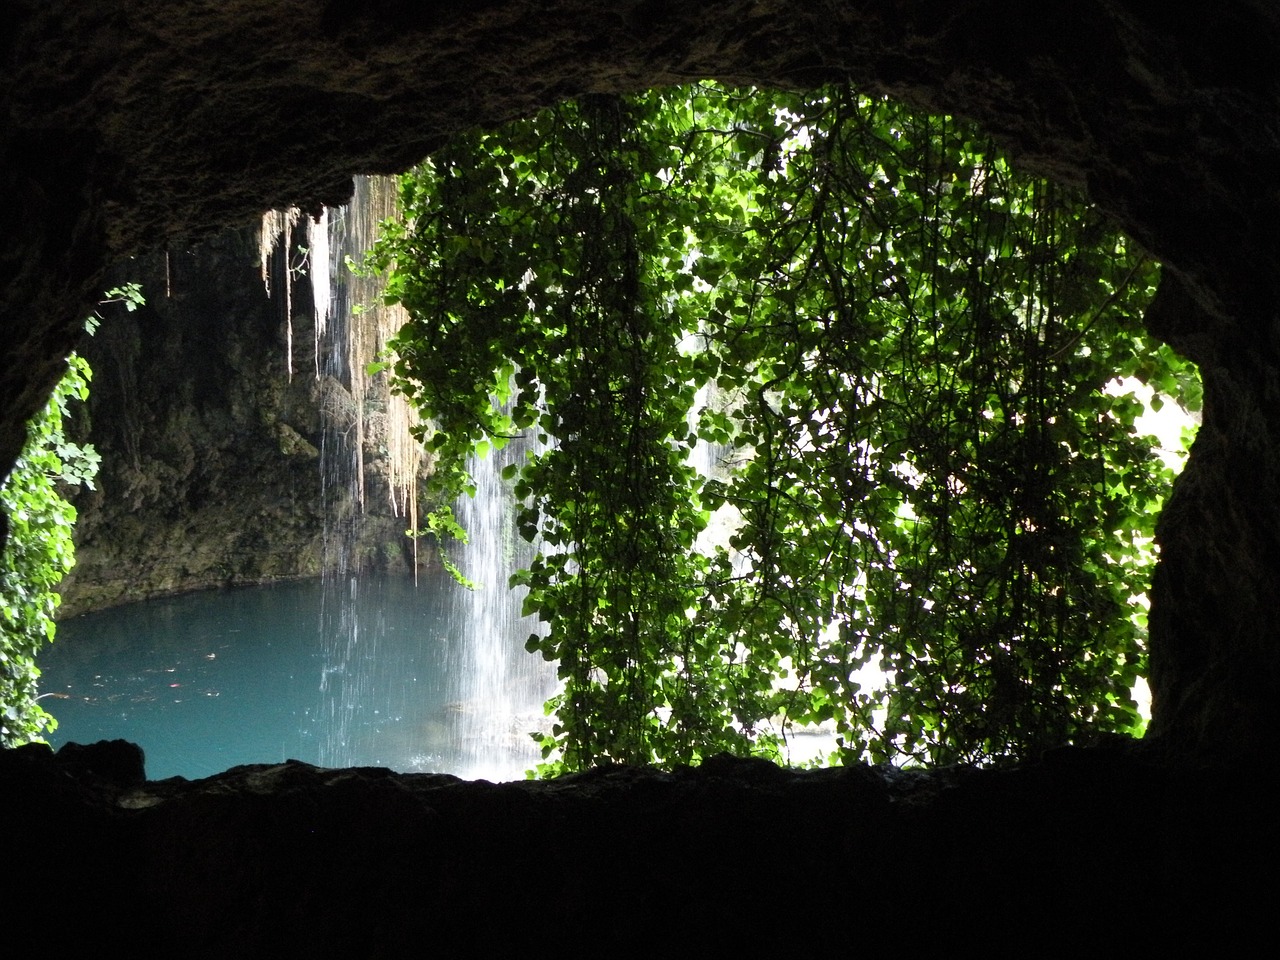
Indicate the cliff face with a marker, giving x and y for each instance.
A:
(127, 123)
(211, 469)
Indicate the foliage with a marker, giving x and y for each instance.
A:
(897, 348)
(39, 549)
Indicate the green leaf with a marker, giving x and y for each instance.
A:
(886, 349)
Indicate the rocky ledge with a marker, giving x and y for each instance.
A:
(1089, 847)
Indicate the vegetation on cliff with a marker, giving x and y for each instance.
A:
(897, 349)
(39, 549)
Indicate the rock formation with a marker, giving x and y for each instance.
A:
(1085, 853)
(211, 472)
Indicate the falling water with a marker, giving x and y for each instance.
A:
(348, 651)
(496, 689)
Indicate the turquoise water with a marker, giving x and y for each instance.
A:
(209, 680)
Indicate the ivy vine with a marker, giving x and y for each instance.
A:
(39, 549)
(888, 351)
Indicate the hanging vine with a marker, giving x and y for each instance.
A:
(908, 344)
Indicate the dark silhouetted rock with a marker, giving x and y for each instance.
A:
(1108, 851)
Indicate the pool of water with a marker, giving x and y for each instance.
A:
(209, 680)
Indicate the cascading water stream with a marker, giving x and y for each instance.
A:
(495, 688)
(368, 665)
(345, 667)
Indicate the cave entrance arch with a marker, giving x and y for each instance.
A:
(173, 120)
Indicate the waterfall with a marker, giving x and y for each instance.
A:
(347, 651)
(360, 413)
(495, 689)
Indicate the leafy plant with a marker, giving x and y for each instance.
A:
(897, 349)
(39, 549)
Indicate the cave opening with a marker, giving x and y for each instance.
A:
(129, 126)
(338, 399)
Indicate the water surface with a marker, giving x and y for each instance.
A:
(209, 680)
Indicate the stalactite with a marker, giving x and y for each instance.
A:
(369, 325)
(374, 324)
(275, 231)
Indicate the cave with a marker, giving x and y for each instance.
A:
(138, 126)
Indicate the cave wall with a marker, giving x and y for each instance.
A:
(133, 123)
(211, 472)
(1089, 853)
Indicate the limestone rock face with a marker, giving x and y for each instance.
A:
(211, 451)
(130, 124)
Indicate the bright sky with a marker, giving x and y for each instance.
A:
(1166, 425)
